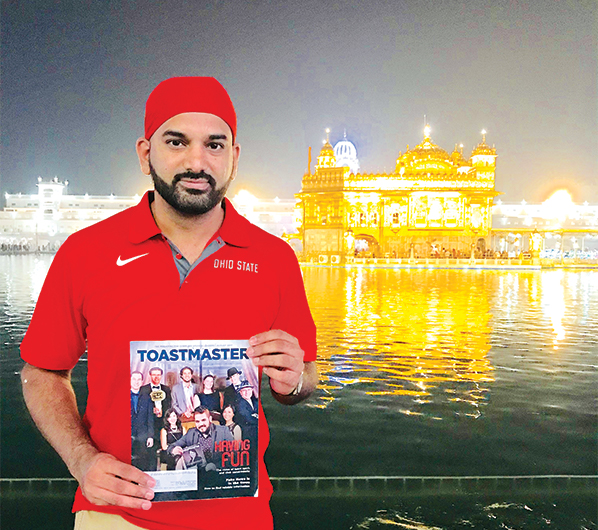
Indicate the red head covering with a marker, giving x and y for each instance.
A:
(188, 94)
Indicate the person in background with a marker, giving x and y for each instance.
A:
(230, 392)
(142, 426)
(159, 394)
(247, 411)
(182, 394)
(170, 433)
(208, 397)
(228, 415)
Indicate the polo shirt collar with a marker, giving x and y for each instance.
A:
(143, 226)
(234, 230)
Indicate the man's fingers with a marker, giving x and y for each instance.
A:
(273, 346)
(280, 362)
(128, 472)
(265, 353)
(273, 334)
(126, 488)
(106, 497)
(282, 376)
(110, 481)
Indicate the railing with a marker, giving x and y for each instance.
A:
(374, 486)
(434, 485)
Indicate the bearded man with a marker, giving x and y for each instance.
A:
(151, 273)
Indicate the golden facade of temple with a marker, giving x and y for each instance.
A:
(431, 203)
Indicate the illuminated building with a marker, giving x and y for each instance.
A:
(557, 225)
(432, 202)
(43, 220)
(560, 228)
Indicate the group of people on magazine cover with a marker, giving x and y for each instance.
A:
(180, 427)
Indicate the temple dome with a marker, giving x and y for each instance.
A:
(483, 148)
(428, 149)
(326, 157)
(327, 149)
(346, 155)
(424, 156)
(457, 156)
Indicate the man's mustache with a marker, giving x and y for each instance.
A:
(190, 175)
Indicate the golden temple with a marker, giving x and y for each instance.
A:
(432, 204)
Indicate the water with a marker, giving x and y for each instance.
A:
(423, 373)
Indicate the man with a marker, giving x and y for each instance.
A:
(182, 394)
(114, 283)
(230, 392)
(142, 426)
(247, 411)
(203, 438)
(159, 394)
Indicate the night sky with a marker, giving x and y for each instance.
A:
(75, 76)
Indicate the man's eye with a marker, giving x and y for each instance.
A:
(175, 143)
(215, 145)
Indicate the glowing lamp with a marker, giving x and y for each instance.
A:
(559, 205)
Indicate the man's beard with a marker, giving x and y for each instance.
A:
(190, 201)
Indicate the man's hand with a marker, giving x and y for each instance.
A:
(108, 481)
(103, 479)
(282, 360)
(281, 357)
(177, 450)
(150, 442)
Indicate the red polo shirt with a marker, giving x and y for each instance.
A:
(95, 294)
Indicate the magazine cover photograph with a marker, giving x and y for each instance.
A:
(194, 418)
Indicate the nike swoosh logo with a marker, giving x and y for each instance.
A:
(121, 262)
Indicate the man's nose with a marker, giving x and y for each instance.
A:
(195, 160)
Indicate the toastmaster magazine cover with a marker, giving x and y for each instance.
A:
(194, 418)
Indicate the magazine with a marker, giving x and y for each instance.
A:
(194, 418)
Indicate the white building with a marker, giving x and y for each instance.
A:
(562, 225)
(42, 221)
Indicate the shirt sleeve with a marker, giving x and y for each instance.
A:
(56, 335)
(294, 315)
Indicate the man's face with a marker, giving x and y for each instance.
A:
(202, 421)
(186, 375)
(192, 162)
(156, 377)
(246, 392)
(235, 379)
(136, 381)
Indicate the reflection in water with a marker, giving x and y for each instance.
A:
(21, 279)
(440, 364)
(428, 334)
(402, 332)
(411, 339)
(554, 303)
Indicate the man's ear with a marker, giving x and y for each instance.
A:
(142, 146)
(236, 154)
